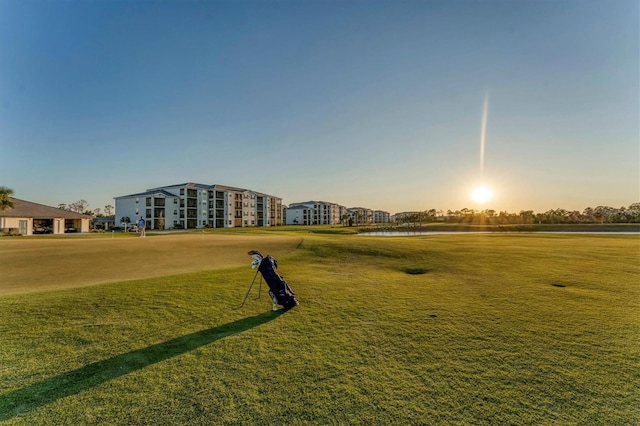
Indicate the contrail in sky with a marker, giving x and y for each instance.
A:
(483, 133)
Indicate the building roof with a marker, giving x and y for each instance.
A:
(306, 204)
(149, 193)
(22, 208)
(215, 186)
(218, 187)
(183, 185)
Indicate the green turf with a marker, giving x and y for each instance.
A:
(469, 329)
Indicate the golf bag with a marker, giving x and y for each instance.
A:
(279, 290)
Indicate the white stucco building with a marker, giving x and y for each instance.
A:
(194, 205)
(326, 213)
(380, 216)
(363, 215)
(314, 213)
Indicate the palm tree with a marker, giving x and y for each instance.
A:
(358, 216)
(126, 220)
(160, 221)
(5, 198)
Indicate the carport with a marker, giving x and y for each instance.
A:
(27, 218)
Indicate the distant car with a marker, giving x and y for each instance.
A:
(132, 229)
(70, 230)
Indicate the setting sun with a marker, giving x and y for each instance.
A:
(481, 194)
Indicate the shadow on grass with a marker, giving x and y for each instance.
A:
(39, 394)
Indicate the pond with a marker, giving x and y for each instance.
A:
(416, 233)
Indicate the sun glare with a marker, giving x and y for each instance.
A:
(481, 194)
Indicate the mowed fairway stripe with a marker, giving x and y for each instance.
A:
(39, 264)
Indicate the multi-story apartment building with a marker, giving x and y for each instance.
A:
(325, 213)
(380, 216)
(193, 205)
(360, 215)
(314, 213)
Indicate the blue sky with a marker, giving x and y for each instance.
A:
(363, 103)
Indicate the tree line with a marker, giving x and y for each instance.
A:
(82, 206)
(599, 214)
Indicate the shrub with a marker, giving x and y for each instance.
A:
(11, 232)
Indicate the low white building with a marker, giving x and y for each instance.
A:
(194, 205)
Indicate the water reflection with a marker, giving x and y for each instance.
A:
(416, 233)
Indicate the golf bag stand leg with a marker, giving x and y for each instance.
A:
(248, 291)
(260, 288)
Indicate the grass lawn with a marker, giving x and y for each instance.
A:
(44, 263)
(447, 329)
